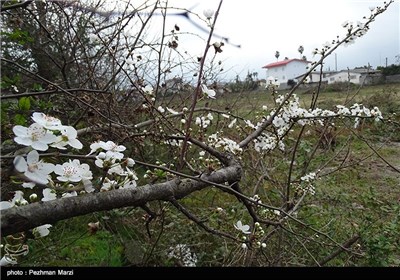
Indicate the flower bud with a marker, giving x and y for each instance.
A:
(33, 197)
(208, 13)
(130, 162)
(102, 155)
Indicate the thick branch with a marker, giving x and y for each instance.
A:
(15, 6)
(22, 218)
(346, 245)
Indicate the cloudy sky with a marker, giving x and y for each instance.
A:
(263, 27)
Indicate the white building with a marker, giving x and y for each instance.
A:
(316, 76)
(287, 69)
(355, 76)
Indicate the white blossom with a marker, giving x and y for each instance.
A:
(48, 194)
(278, 122)
(93, 38)
(46, 121)
(34, 169)
(148, 90)
(108, 185)
(232, 123)
(172, 111)
(42, 231)
(184, 254)
(8, 260)
(161, 109)
(69, 194)
(73, 171)
(14, 88)
(35, 136)
(87, 184)
(67, 137)
(130, 162)
(112, 150)
(129, 61)
(242, 228)
(210, 93)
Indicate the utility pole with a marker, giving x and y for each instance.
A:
(336, 62)
(386, 62)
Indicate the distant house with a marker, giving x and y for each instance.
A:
(175, 85)
(355, 76)
(287, 69)
(314, 77)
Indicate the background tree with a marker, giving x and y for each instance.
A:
(277, 54)
(300, 50)
(191, 178)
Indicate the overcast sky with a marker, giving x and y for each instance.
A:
(263, 27)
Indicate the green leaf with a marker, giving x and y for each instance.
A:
(37, 87)
(24, 103)
(19, 119)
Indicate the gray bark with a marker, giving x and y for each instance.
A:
(17, 219)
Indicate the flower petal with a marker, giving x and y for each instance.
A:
(6, 260)
(48, 138)
(45, 168)
(20, 164)
(28, 185)
(20, 131)
(23, 141)
(75, 143)
(32, 157)
(43, 230)
(48, 194)
(39, 146)
(70, 131)
(5, 205)
(37, 177)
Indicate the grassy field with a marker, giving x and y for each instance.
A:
(359, 201)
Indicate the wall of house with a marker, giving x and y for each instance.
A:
(286, 72)
(355, 78)
(277, 72)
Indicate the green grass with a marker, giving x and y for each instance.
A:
(70, 244)
(361, 199)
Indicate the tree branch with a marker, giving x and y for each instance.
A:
(17, 219)
(15, 6)
(346, 245)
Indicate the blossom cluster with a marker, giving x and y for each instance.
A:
(68, 177)
(109, 158)
(291, 112)
(225, 143)
(204, 122)
(183, 253)
(306, 184)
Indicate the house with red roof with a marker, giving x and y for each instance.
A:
(287, 69)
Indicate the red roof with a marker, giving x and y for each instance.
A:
(284, 62)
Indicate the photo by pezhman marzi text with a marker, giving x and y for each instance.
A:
(10, 272)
